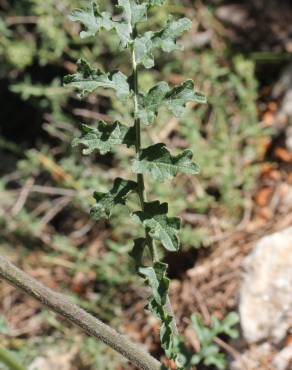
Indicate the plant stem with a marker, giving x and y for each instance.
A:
(141, 184)
(76, 315)
(140, 177)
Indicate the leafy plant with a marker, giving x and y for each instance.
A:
(209, 353)
(155, 160)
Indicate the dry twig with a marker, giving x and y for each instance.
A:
(73, 313)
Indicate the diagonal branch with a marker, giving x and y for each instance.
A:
(61, 305)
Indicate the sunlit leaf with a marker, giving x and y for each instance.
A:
(88, 79)
(165, 39)
(157, 280)
(105, 137)
(106, 201)
(174, 99)
(92, 20)
(133, 11)
(162, 228)
(157, 161)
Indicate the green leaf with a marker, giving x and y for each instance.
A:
(210, 353)
(92, 20)
(157, 160)
(167, 338)
(174, 99)
(133, 12)
(143, 47)
(105, 137)
(213, 357)
(107, 201)
(162, 228)
(177, 97)
(205, 334)
(88, 79)
(151, 102)
(165, 39)
(226, 326)
(138, 251)
(157, 280)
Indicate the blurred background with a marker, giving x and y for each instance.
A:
(239, 54)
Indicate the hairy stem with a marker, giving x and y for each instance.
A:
(76, 315)
(141, 184)
(140, 177)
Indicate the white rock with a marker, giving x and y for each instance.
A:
(266, 291)
(289, 137)
(283, 360)
(253, 358)
(54, 360)
(286, 107)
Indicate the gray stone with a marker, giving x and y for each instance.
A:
(266, 291)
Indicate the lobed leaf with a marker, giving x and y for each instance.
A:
(167, 338)
(133, 11)
(88, 79)
(174, 99)
(143, 47)
(162, 228)
(107, 201)
(157, 160)
(105, 137)
(157, 280)
(92, 20)
(226, 326)
(165, 39)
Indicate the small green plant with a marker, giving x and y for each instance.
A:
(155, 160)
(209, 353)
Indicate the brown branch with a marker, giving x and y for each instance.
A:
(59, 304)
(10, 21)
